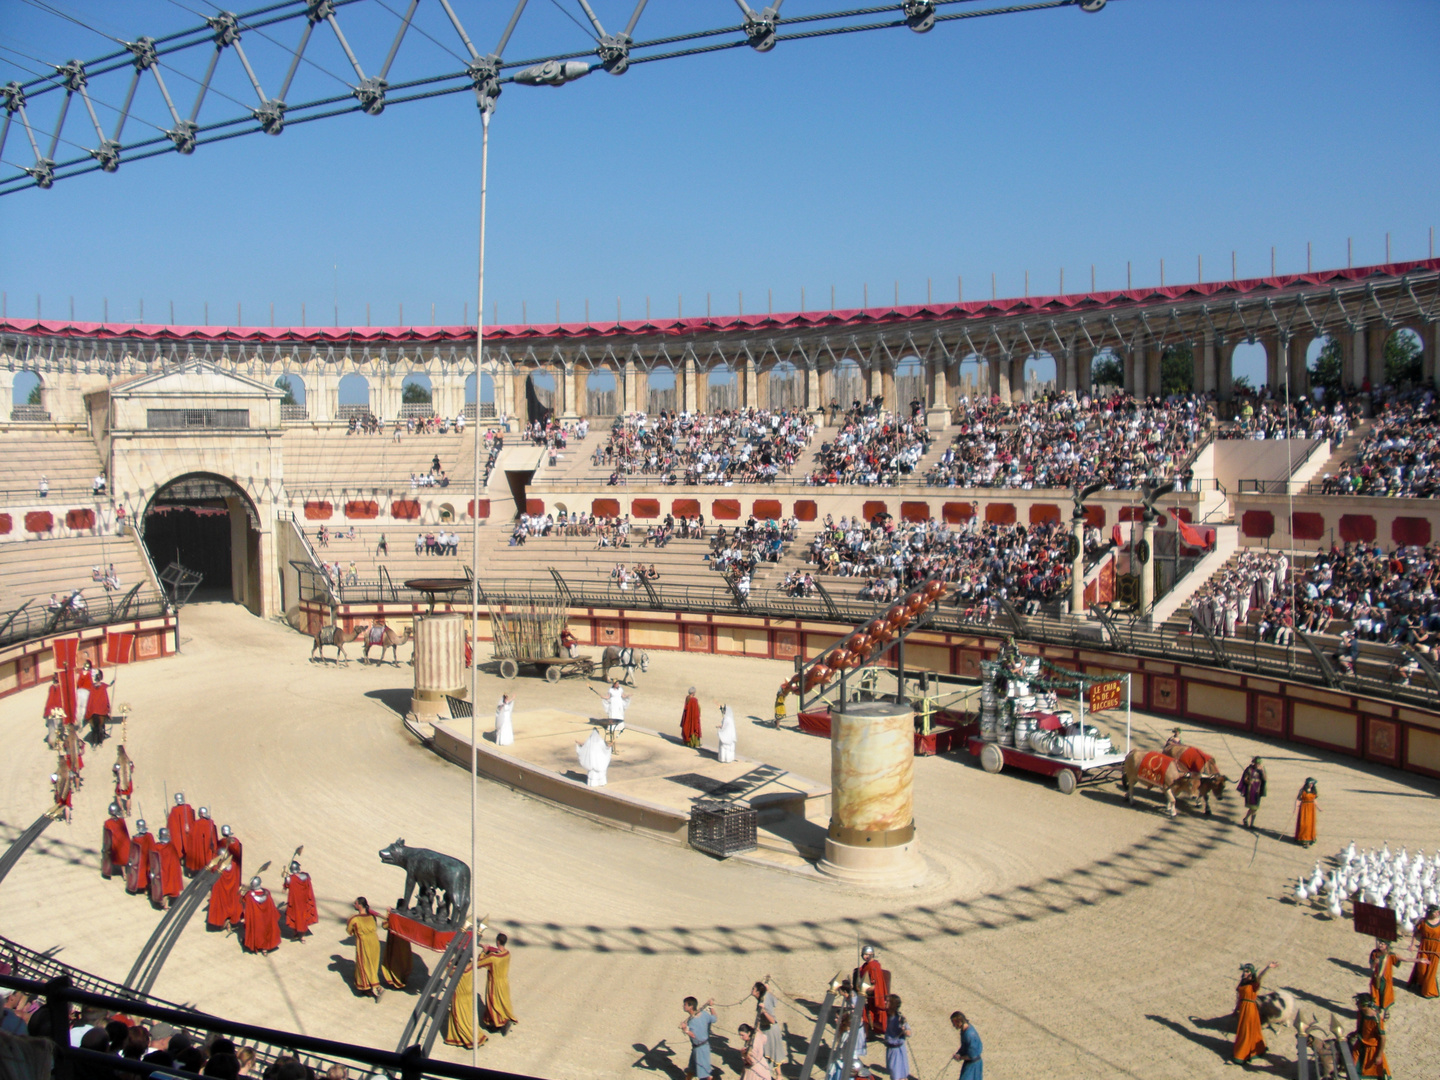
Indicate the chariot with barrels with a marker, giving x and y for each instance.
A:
(1024, 726)
(530, 637)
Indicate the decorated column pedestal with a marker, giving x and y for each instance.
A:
(871, 840)
(439, 665)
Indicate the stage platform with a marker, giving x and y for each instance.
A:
(653, 781)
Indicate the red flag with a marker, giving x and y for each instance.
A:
(65, 651)
(1117, 536)
(1193, 536)
(119, 648)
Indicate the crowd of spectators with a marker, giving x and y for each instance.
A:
(1061, 441)
(745, 446)
(1400, 454)
(983, 563)
(874, 448)
(1368, 593)
(738, 552)
(93, 1028)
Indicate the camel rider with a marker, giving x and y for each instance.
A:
(375, 635)
(569, 643)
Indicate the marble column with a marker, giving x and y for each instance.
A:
(1353, 348)
(689, 395)
(1375, 352)
(439, 664)
(567, 391)
(1207, 374)
(937, 416)
(1430, 354)
(871, 839)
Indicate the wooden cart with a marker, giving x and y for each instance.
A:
(531, 637)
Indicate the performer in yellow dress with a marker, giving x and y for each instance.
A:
(495, 959)
(460, 1031)
(364, 927)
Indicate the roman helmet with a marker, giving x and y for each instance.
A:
(295, 867)
(164, 836)
(115, 810)
(254, 883)
(179, 798)
(204, 812)
(225, 830)
(140, 826)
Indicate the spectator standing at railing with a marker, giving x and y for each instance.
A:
(382, 548)
(44, 488)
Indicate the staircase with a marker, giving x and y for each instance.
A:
(1227, 542)
(1347, 451)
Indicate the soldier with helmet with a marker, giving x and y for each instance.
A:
(137, 868)
(181, 822)
(204, 841)
(124, 770)
(300, 909)
(225, 907)
(62, 783)
(262, 919)
(166, 879)
(114, 843)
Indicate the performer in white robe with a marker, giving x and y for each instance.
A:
(594, 758)
(727, 734)
(616, 702)
(504, 730)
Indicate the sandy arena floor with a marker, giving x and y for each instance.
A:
(1084, 938)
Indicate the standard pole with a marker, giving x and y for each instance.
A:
(475, 598)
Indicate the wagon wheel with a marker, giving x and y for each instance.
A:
(509, 669)
(552, 673)
(1066, 781)
(991, 759)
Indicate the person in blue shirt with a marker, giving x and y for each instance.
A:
(971, 1067)
(696, 1027)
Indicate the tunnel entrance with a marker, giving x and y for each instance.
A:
(208, 525)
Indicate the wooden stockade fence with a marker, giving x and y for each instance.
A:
(531, 634)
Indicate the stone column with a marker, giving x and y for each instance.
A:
(746, 392)
(1085, 369)
(1375, 351)
(1275, 360)
(1135, 371)
(7, 393)
(1147, 569)
(1154, 356)
(937, 416)
(1206, 368)
(1017, 377)
(1352, 346)
(1225, 368)
(1067, 375)
(566, 385)
(871, 839)
(814, 402)
(581, 379)
(1077, 566)
(874, 379)
(439, 664)
(689, 386)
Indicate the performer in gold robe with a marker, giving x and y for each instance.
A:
(495, 959)
(396, 963)
(364, 927)
(460, 1031)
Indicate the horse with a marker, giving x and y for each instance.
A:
(627, 658)
(386, 638)
(1154, 769)
(337, 636)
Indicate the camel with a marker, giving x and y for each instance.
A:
(627, 659)
(1154, 769)
(386, 638)
(337, 636)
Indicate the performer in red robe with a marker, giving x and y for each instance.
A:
(62, 783)
(225, 907)
(181, 823)
(124, 770)
(690, 721)
(203, 842)
(84, 683)
(262, 919)
(877, 999)
(114, 844)
(166, 880)
(55, 698)
(97, 710)
(300, 910)
(137, 868)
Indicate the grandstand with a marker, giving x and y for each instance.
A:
(65, 455)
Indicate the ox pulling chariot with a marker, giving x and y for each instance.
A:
(533, 638)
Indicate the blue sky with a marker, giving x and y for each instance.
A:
(1156, 129)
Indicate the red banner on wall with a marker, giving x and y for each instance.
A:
(119, 648)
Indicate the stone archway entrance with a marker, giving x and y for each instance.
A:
(207, 524)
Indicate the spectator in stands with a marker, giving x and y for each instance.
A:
(44, 487)
(1399, 456)
(98, 484)
(873, 447)
(1064, 441)
(381, 547)
(744, 446)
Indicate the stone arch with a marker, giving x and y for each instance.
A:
(1250, 361)
(417, 385)
(784, 386)
(909, 384)
(290, 380)
(29, 396)
(1107, 370)
(662, 394)
(1038, 374)
(209, 524)
(353, 392)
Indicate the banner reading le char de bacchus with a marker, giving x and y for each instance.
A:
(1105, 695)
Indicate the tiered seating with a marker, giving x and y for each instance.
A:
(67, 459)
(320, 459)
(401, 562)
(1399, 455)
(33, 569)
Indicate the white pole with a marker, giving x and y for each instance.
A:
(1127, 715)
(475, 602)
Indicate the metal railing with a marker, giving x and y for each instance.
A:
(30, 414)
(1374, 677)
(33, 620)
(31, 495)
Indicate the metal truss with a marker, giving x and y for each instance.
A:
(370, 89)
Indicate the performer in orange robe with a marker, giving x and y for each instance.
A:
(1368, 1042)
(300, 912)
(181, 822)
(690, 721)
(877, 1000)
(166, 880)
(1249, 1038)
(1427, 954)
(225, 907)
(97, 709)
(202, 846)
(262, 919)
(1382, 974)
(114, 843)
(1305, 811)
(137, 869)
(124, 770)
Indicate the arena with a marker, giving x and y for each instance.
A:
(1062, 662)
